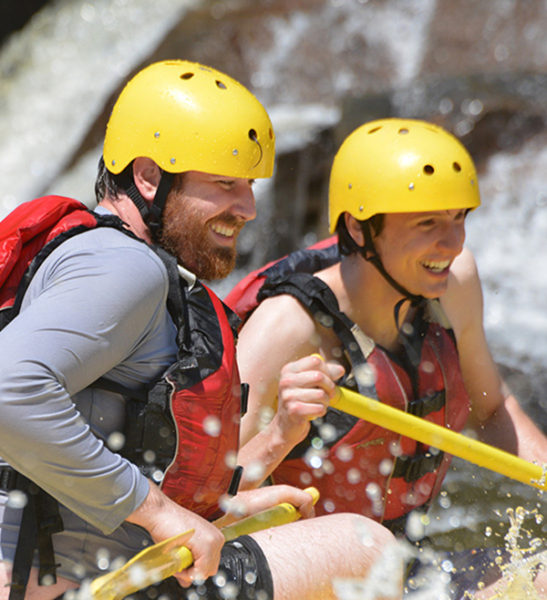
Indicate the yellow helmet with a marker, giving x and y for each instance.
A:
(189, 117)
(397, 166)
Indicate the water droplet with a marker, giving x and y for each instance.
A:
(344, 453)
(373, 491)
(385, 467)
(116, 441)
(212, 426)
(230, 459)
(317, 443)
(149, 456)
(250, 577)
(255, 470)
(447, 566)
(327, 432)
(316, 462)
(103, 559)
(17, 499)
(354, 476)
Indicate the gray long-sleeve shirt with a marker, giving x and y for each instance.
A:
(96, 307)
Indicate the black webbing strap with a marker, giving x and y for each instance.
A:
(24, 552)
(412, 468)
(319, 299)
(39, 521)
(151, 212)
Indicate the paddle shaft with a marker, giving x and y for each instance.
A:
(439, 437)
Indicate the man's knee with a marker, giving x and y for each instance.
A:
(370, 532)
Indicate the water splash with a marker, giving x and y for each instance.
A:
(524, 563)
(56, 74)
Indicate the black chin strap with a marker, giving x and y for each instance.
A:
(368, 252)
(151, 213)
(407, 333)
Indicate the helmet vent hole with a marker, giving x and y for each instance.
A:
(253, 135)
(456, 166)
(221, 85)
(375, 129)
(187, 76)
(429, 169)
(403, 131)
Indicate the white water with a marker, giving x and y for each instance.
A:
(56, 75)
(508, 234)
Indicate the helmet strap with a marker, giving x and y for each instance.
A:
(369, 253)
(151, 213)
(154, 220)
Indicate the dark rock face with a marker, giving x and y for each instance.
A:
(14, 15)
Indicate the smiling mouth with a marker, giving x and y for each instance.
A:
(223, 230)
(436, 266)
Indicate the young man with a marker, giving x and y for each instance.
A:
(400, 308)
(120, 362)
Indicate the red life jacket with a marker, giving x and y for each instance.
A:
(184, 430)
(190, 417)
(358, 466)
(207, 415)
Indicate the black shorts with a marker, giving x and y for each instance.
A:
(243, 574)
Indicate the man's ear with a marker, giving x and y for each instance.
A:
(354, 229)
(146, 175)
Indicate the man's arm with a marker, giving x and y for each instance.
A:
(496, 414)
(81, 318)
(287, 388)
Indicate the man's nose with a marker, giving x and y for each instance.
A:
(245, 205)
(453, 237)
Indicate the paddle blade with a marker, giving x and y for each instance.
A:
(149, 566)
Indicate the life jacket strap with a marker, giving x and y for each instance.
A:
(39, 521)
(412, 468)
(420, 407)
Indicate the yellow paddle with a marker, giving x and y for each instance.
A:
(170, 556)
(439, 437)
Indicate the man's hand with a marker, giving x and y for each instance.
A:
(306, 387)
(163, 518)
(251, 502)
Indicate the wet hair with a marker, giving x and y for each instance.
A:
(346, 244)
(106, 183)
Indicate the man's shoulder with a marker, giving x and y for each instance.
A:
(107, 249)
(284, 313)
(462, 301)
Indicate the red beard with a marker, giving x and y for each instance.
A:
(186, 236)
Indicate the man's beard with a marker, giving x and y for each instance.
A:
(186, 236)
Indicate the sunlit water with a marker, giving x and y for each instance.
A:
(55, 77)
